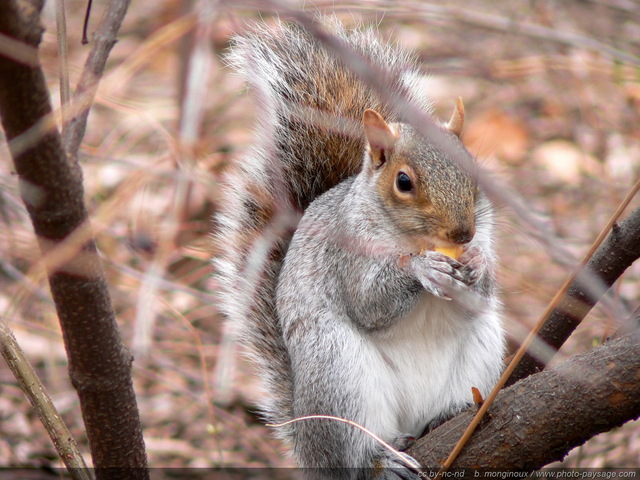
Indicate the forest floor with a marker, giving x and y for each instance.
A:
(553, 111)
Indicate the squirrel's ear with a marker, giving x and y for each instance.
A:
(380, 135)
(457, 119)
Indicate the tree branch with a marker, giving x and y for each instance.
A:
(541, 418)
(617, 253)
(51, 187)
(105, 38)
(62, 439)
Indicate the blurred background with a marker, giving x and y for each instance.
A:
(552, 94)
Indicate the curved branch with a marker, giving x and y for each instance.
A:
(539, 419)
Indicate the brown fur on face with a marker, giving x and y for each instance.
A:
(439, 206)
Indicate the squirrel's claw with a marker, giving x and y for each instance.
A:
(399, 465)
(439, 274)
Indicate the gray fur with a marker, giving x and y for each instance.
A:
(344, 320)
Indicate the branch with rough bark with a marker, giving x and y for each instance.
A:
(52, 190)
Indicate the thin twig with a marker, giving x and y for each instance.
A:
(443, 13)
(105, 39)
(534, 331)
(18, 51)
(32, 387)
(85, 25)
(605, 267)
(63, 57)
(22, 53)
(197, 74)
(510, 25)
(190, 120)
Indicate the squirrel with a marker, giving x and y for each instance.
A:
(331, 227)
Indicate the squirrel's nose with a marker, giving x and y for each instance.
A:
(461, 235)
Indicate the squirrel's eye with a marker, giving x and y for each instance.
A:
(403, 182)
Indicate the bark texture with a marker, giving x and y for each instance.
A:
(51, 187)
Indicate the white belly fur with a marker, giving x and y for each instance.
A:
(428, 363)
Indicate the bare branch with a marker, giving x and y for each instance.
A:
(62, 439)
(436, 12)
(63, 53)
(105, 38)
(505, 24)
(620, 250)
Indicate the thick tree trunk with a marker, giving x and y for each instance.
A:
(51, 187)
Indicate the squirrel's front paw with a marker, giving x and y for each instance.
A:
(439, 274)
(474, 265)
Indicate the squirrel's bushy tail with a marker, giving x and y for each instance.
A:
(308, 139)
